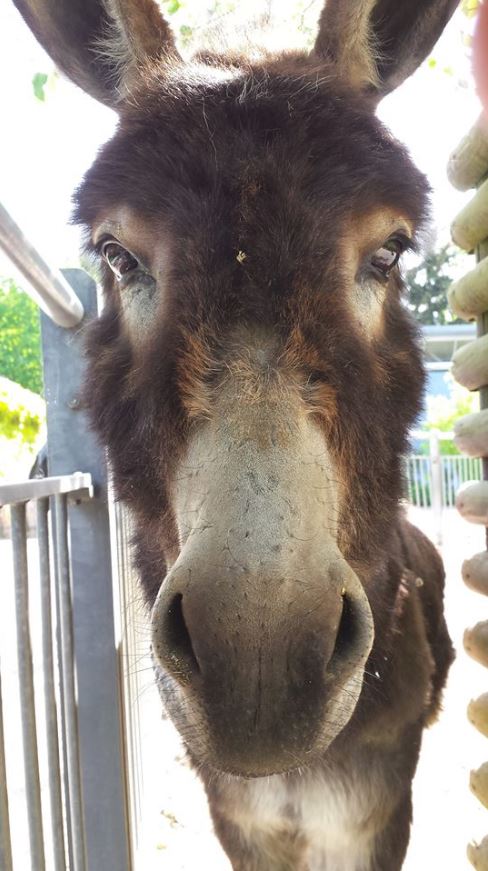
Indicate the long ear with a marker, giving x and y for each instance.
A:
(376, 44)
(100, 44)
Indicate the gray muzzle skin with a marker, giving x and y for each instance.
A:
(261, 626)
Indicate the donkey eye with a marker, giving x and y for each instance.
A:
(386, 257)
(119, 259)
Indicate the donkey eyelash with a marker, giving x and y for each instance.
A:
(379, 264)
(123, 263)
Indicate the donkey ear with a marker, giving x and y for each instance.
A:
(377, 44)
(100, 44)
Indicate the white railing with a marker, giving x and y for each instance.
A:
(433, 477)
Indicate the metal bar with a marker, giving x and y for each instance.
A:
(26, 688)
(415, 481)
(436, 482)
(79, 483)
(62, 695)
(72, 445)
(5, 843)
(423, 497)
(424, 435)
(55, 793)
(53, 293)
(451, 473)
(68, 667)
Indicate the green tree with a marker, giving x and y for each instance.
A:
(20, 354)
(22, 413)
(427, 286)
(444, 411)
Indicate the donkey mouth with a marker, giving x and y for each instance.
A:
(270, 717)
(221, 749)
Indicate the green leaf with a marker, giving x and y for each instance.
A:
(20, 353)
(38, 84)
(427, 285)
(186, 33)
(470, 7)
(172, 6)
(22, 413)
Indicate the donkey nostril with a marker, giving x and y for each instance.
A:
(346, 638)
(178, 641)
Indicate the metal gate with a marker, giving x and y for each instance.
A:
(83, 822)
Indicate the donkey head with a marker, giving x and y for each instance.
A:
(254, 372)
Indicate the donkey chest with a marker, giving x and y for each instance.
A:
(333, 821)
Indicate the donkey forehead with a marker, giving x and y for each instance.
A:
(274, 137)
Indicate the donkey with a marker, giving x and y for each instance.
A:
(254, 375)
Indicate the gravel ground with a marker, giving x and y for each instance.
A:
(175, 831)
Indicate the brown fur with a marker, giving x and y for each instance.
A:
(255, 195)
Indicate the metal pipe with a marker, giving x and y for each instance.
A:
(26, 688)
(436, 482)
(55, 793)
(5, 843)
(68, 669)
(62, 695)
(79, 483)
(53, 293)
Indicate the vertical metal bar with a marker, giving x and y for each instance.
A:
(68, 668)
(448, 470)
(26, 688)
(406, 477)
(427, 483)
(73, 446)
(5, 843)
(436, 482)
(62, 695)
(423, 487)
(416, 500)
(55, 794)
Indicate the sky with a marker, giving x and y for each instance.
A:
(45, 147)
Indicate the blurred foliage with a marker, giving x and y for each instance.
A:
(22, 413)
(427, 285)
(43, 83)
(218, 23)
(444, 411)
(38, 83)
(22, 429)
(20, 353)
(470, 7)
(188, 20)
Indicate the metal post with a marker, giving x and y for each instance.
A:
(73, 446)
(54, 295)
(55, 793)
(68, 669)
(5, 843)
(26, 688)
(436, 482)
